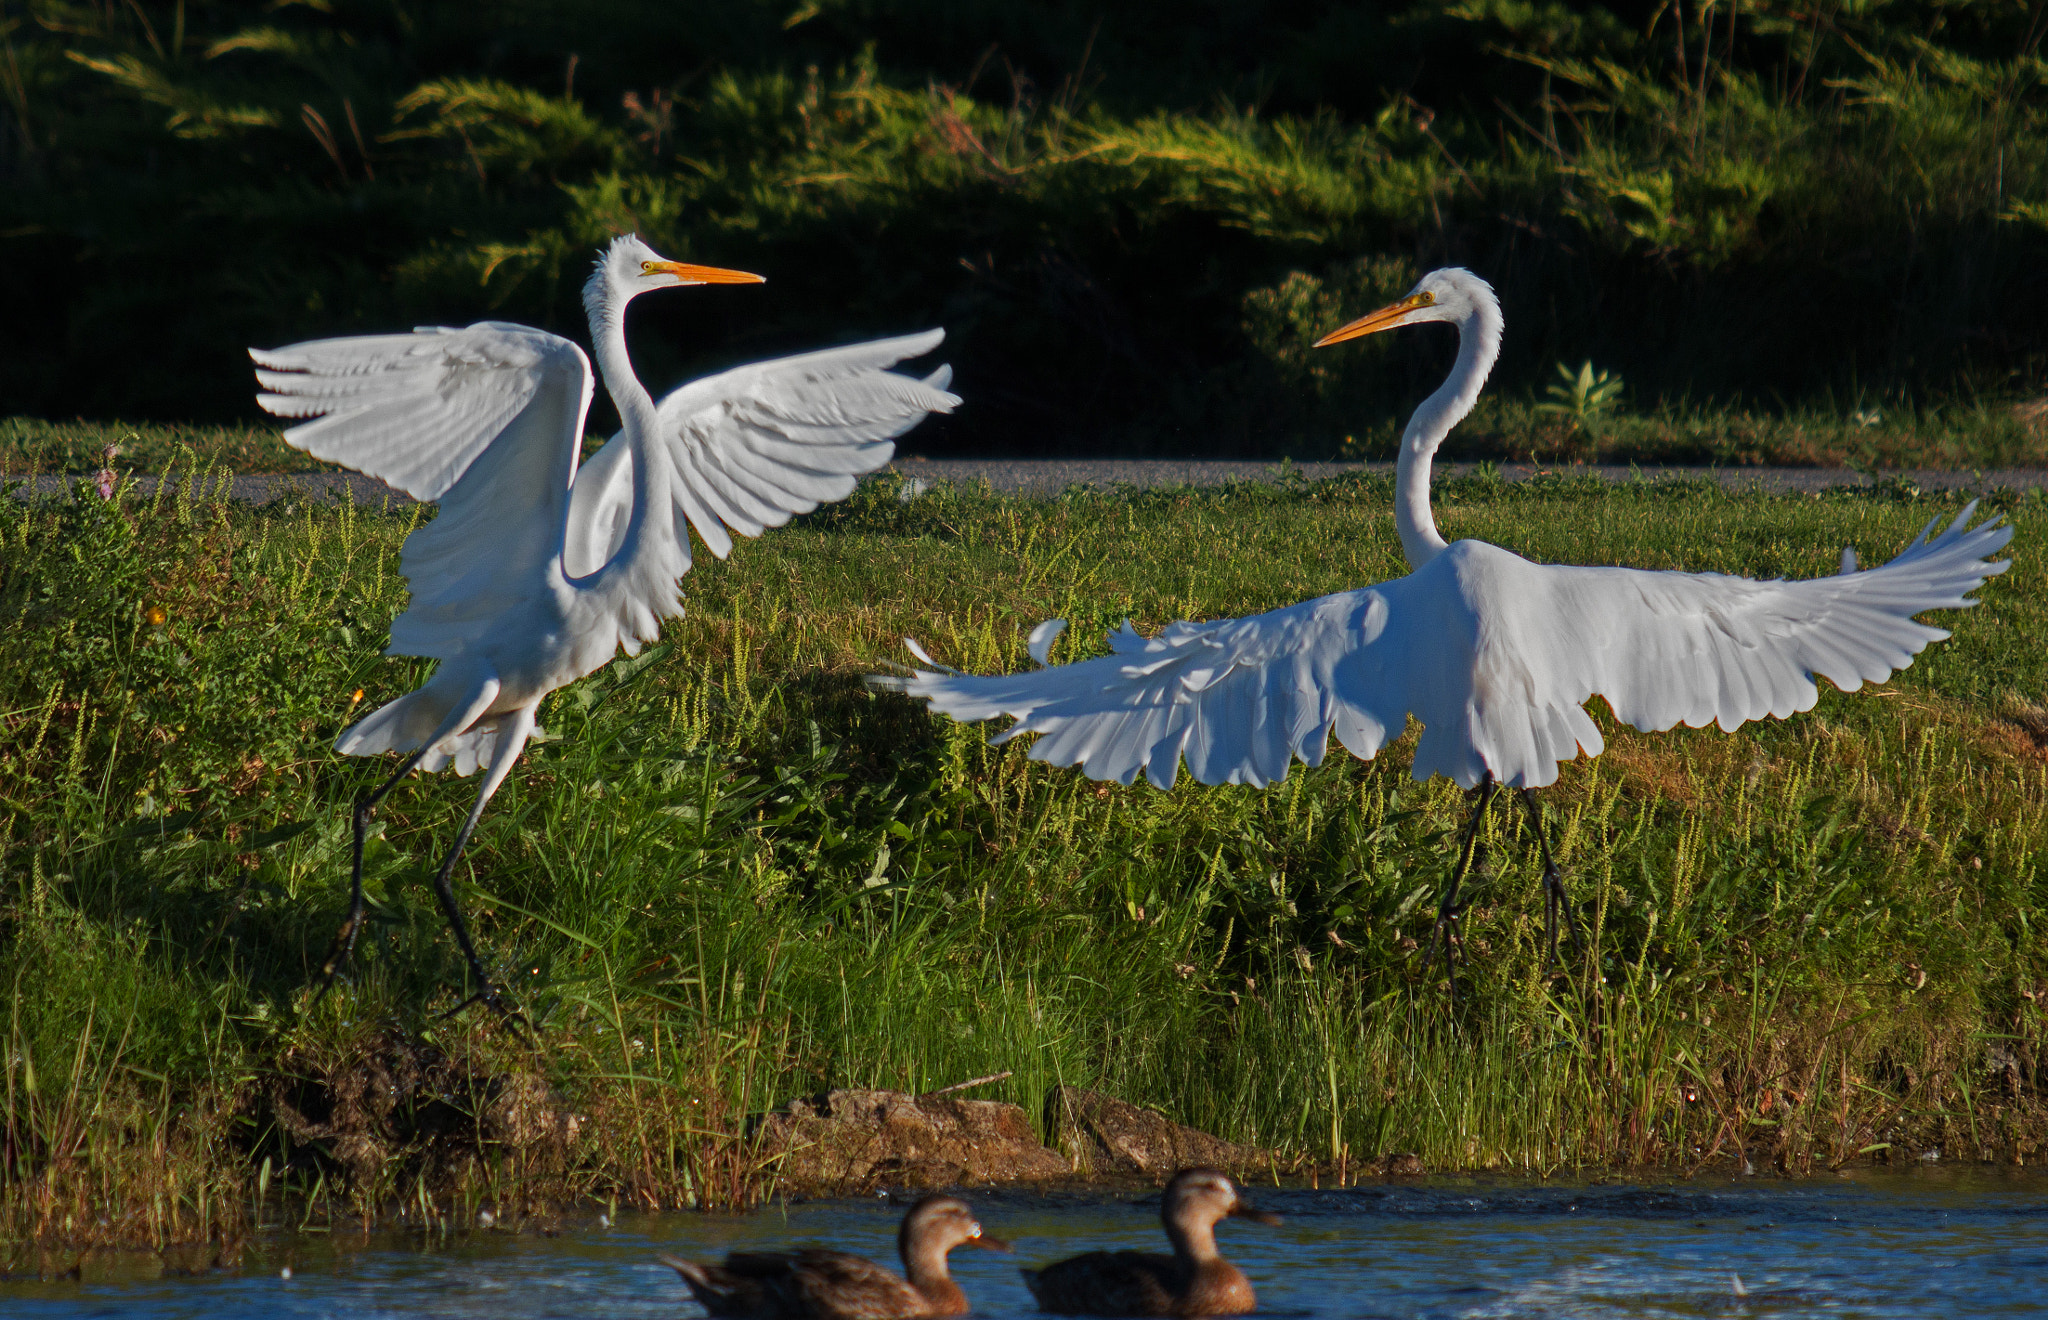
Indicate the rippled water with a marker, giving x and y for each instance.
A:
(1928, 1244)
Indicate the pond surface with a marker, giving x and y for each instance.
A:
(1936, 1243)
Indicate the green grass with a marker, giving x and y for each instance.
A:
(733, 875)
(1962, 438)
(79, 447)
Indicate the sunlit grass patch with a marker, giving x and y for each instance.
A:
(80, 447)
(733, 874)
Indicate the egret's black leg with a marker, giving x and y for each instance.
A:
(1469, 852)
(1555, 900)
(344, 945)
(444, 889)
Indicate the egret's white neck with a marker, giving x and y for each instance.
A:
(1478, 346)
(615, 364)
(638, 417)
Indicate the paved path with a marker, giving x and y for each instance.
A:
(1040, 476)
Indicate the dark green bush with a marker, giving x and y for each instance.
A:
(1130, 219)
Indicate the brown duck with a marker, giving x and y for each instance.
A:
(1194, 1280)
(816, 1284)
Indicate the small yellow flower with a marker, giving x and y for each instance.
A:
(355, 697)
(156, 616)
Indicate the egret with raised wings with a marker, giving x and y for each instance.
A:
(534, 574)
(1494, 654)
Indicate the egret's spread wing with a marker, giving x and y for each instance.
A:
(1234, 698)
(1495, 655)
(756, 445)
(1689, 648)
(484, 420)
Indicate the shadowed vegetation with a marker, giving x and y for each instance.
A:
(1797, 232)
(733, 875)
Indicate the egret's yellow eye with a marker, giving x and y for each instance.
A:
(647, 268)
(1425, 298)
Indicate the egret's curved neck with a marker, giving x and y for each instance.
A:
(1478, 346)
(637, 416)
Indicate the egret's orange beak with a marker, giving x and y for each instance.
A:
(1386, 318)
(688, 274)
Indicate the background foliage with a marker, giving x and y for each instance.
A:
(1132, 218)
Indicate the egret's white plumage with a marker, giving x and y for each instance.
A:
(1496, 656)
(534, 574)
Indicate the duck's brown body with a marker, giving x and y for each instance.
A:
(817, 1284)
(1194, 1280)
(1141, 1283)
(813, 1284)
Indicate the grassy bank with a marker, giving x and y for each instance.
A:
(732, 875)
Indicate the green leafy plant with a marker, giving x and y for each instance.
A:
(1583, 397)
(180, 181)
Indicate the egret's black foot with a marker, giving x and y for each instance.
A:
(1470, 851)
(444, 889)
(494, 999)
(344, 947)
(1556, 902)
(1445, 931)
(338, 955)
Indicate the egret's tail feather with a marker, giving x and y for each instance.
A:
(403, 725)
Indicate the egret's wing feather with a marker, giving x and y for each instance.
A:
(1694, 648)
(761, 443)
(752, 447)
(1236, 699)
(485, 420)
(1495, 655)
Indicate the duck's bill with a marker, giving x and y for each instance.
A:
(1256, 1215)
(988, 1243)
(690, 274)
(1386, 318)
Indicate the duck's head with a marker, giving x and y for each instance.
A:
(1205, 1196)
(942, 1223)
(1452, 294)
(628, 268)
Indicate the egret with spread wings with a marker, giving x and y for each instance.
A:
(534, 574)
(1494, 654)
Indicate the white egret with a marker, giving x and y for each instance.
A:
(1495, 655)
(534, 574)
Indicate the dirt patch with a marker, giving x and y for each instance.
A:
(853, 1141)
(1657, 774)
(1101, 1134)
(393, 1111)
(2030, 723)
(397, 1108)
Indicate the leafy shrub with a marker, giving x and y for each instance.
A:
(1771, 206)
